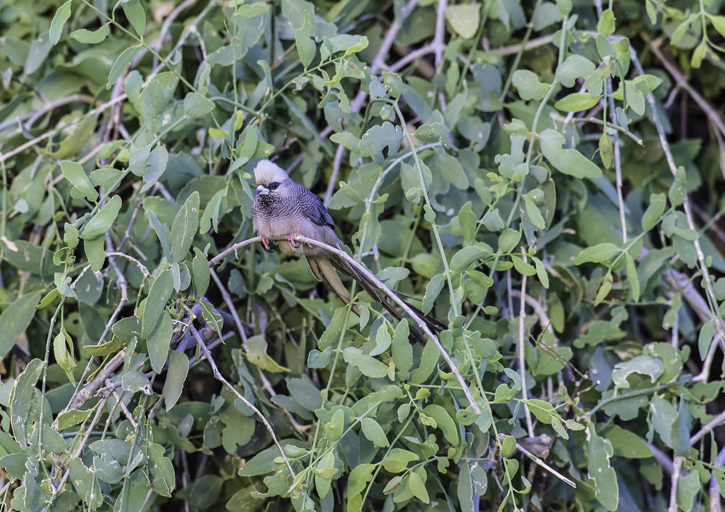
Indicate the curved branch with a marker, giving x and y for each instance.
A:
(403, 305)
(374, 281)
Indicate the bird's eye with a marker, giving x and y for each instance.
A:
(273, 186)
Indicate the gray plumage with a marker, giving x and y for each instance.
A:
(283, 209)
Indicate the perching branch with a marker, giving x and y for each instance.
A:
(381, 287)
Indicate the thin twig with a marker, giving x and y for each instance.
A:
(403, 305)
(715, 502)
(548, 468)
(712, 299)
(715, 422)
(684, 83)
(522, 360)
(218, 376)
(377, 63)
(676, 467)
(234, 248)
(99, 411)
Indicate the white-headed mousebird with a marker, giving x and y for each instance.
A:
(283, 209)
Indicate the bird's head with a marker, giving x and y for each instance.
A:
(270, 177)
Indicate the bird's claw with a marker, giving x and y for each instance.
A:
(265, 242)
(292, 240)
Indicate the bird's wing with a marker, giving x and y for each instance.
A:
(313, 208)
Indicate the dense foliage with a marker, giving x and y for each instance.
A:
(543, 177)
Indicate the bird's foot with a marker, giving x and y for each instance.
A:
(265, 242)
(292, 240)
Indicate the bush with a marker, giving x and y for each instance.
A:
(522, 173)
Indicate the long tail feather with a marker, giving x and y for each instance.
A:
(434, 325)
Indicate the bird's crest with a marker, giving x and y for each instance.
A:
(268, 172)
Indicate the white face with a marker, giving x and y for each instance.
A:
(271, 179)
(266, 173)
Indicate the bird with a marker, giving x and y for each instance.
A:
(283, 209)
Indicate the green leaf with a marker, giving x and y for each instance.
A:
(576, 102)
(567, 161)
(336, 427)
(120, 65)
(175, 378)
(15, 320)
(349, 43)
(184, 228)
(72, 417)
(508, 240)
(528, 85)
(383, 340)
(156, 163)
(402, 349)
(369, 366)
(464, 488)
(604, 47)
(705, 338)
(463, 258)
(444, 421)
(211, 317)
(379, 137)
(678, 189)
(85, 483)
(95, 252)
(201, 273)
(687, 489)
(632, 277)
(161, 232)
(534, 214)
(357, 480)
(546, 14)
(417, 487)
(397, 459)
(156, 301)
(627, 444)
(91, 36)
(432, 291)
(606, 489)
(650, 366)
(467, 220)
(635, 98)
(543, 410)
(257, 355)
(597, 254)
(719, 23)
(197, 105)
(252, 10)
(158, 342)
(102, 221)
(605, 26)
(464, 19)
(573, 68)
(606, 150)
(374, 432)
(604, 289)
(306, 47)
(22, 397)
(74, 173)
(451, 169)
(135, 14)
(306, 394)
(56, 25)
(522, 267)
(154, 103)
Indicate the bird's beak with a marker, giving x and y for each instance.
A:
(262, 190)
